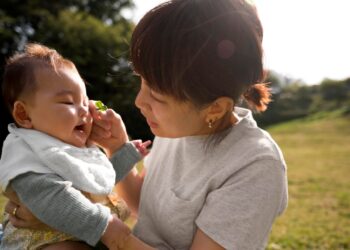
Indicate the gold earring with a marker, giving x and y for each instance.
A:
(210, 123)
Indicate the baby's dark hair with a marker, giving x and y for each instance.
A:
(199, 50)
(19, 75)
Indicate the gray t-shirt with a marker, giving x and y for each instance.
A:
(233, 191)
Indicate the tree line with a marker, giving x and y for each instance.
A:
(294, 99)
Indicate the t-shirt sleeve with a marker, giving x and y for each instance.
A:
(239, 214)
(56, 203)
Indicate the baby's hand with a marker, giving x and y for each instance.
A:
(142, 146)
(108, 130)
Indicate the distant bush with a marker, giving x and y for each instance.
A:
(298, 100)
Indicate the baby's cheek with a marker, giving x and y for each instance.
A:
(72, 112)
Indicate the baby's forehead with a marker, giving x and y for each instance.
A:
(59, 76)
(51, 71)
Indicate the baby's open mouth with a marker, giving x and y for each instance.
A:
(80, 128)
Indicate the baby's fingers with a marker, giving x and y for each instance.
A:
(146, 143)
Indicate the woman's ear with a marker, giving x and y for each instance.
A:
(219, 108)
(20, 115)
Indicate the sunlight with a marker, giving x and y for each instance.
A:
(306, 39)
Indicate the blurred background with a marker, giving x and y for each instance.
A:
(307, 56)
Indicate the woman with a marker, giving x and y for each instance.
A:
(213, 179)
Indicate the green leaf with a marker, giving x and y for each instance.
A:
(100, 106)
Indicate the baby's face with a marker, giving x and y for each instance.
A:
(60, 106)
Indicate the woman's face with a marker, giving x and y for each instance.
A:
(168, 117)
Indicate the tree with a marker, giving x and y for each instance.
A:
(92, 33)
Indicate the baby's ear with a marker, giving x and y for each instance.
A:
(20, 115)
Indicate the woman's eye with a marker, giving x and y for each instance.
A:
(156, 98)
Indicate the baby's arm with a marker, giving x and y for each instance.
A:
(56, 203)
(124, 160)
(59, 198)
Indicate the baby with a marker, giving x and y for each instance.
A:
(49, 144)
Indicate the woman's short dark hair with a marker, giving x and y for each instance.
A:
(199, 50)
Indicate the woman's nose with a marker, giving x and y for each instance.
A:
(138, 100)
(142, 100)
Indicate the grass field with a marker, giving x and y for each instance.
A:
(317, 151)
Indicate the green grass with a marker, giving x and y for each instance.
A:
(2, 205)
(317, 151)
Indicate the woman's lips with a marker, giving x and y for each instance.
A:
(152, 124)
(149, 122)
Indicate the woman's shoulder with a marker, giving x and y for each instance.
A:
(249, 142)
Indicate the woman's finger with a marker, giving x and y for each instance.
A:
(93, 110)
(98, 132)
(11, 208)
(95, 113)
(113, 117)
(30, 224)
(105, 124)
(21, 217)
(18, 222)
(11, 195)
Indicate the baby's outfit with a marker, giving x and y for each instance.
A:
(86, 171)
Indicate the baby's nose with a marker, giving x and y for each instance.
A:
(83, 110)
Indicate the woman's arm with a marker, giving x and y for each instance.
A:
(130, 189)
(108, 132)
(118, 237)
(201, 241)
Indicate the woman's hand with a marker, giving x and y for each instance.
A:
(118, 237)
(108, 130)
(115, 234)
(19, 215)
